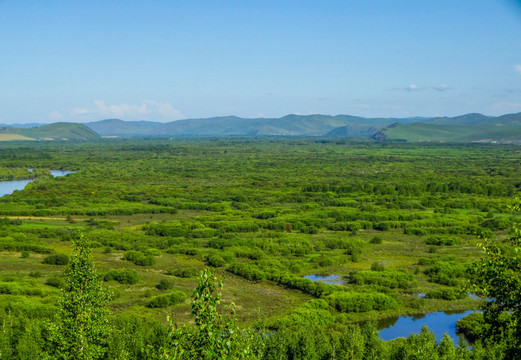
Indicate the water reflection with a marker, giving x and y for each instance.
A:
(58, 173)
(327, 279)
(438, 322)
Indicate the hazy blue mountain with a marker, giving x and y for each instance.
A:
(289, 125)
(353, 130)
(463, 128)
(117, 127)
(28, 125)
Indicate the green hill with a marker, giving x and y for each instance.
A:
(453, 133)
(462, 120)
(353, 130)
(117, 127)
(55, 131)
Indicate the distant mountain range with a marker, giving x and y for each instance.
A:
(465, 128)
(290, 125)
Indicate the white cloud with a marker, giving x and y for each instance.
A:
(121, 110)
(80, 111)
(508, 106)
(55, 116)
(413, 87)
(518, 68)
(442, 87)
(151, 110)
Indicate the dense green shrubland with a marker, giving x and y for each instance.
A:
(391, 279)
(266, 212)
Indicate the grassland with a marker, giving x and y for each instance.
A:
(264, 214)
(12, 137)
(55, 131)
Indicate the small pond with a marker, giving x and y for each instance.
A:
(327, 279)
(58, 173)
(438, 322)
(8, 187)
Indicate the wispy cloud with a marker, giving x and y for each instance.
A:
(55, 116)
(79, 111)
(442, 87)
(147, 110)
(508, 106)
(415, 87)
(409, 88)
(518, 68)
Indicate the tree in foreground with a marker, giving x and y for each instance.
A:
(81, 328)
(215, 335)
(498, 277)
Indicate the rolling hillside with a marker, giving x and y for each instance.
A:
(117, 127)
(55, 131)
(289, 125)
(353, 130)
(467, 128)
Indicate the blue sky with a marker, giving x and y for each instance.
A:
(166, 60)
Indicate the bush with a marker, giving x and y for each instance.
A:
(377, 266)
(354, 249)
(309, 230)
(325, 262)
(445, 273)
(446, 294)
(389, 278)
(138, 258)
(165, 229)
(440, 240)
(382, 226)
(152, 252)
(56, 259)
(305, 317)
(360, 302)
(56, 282)
(247, 271)
(215, 260)
(184, 272)
(376, 240)
(164, 285)
(125, 276)
(163, 301)
(472, 327)
(25, 254)
(426, 261)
